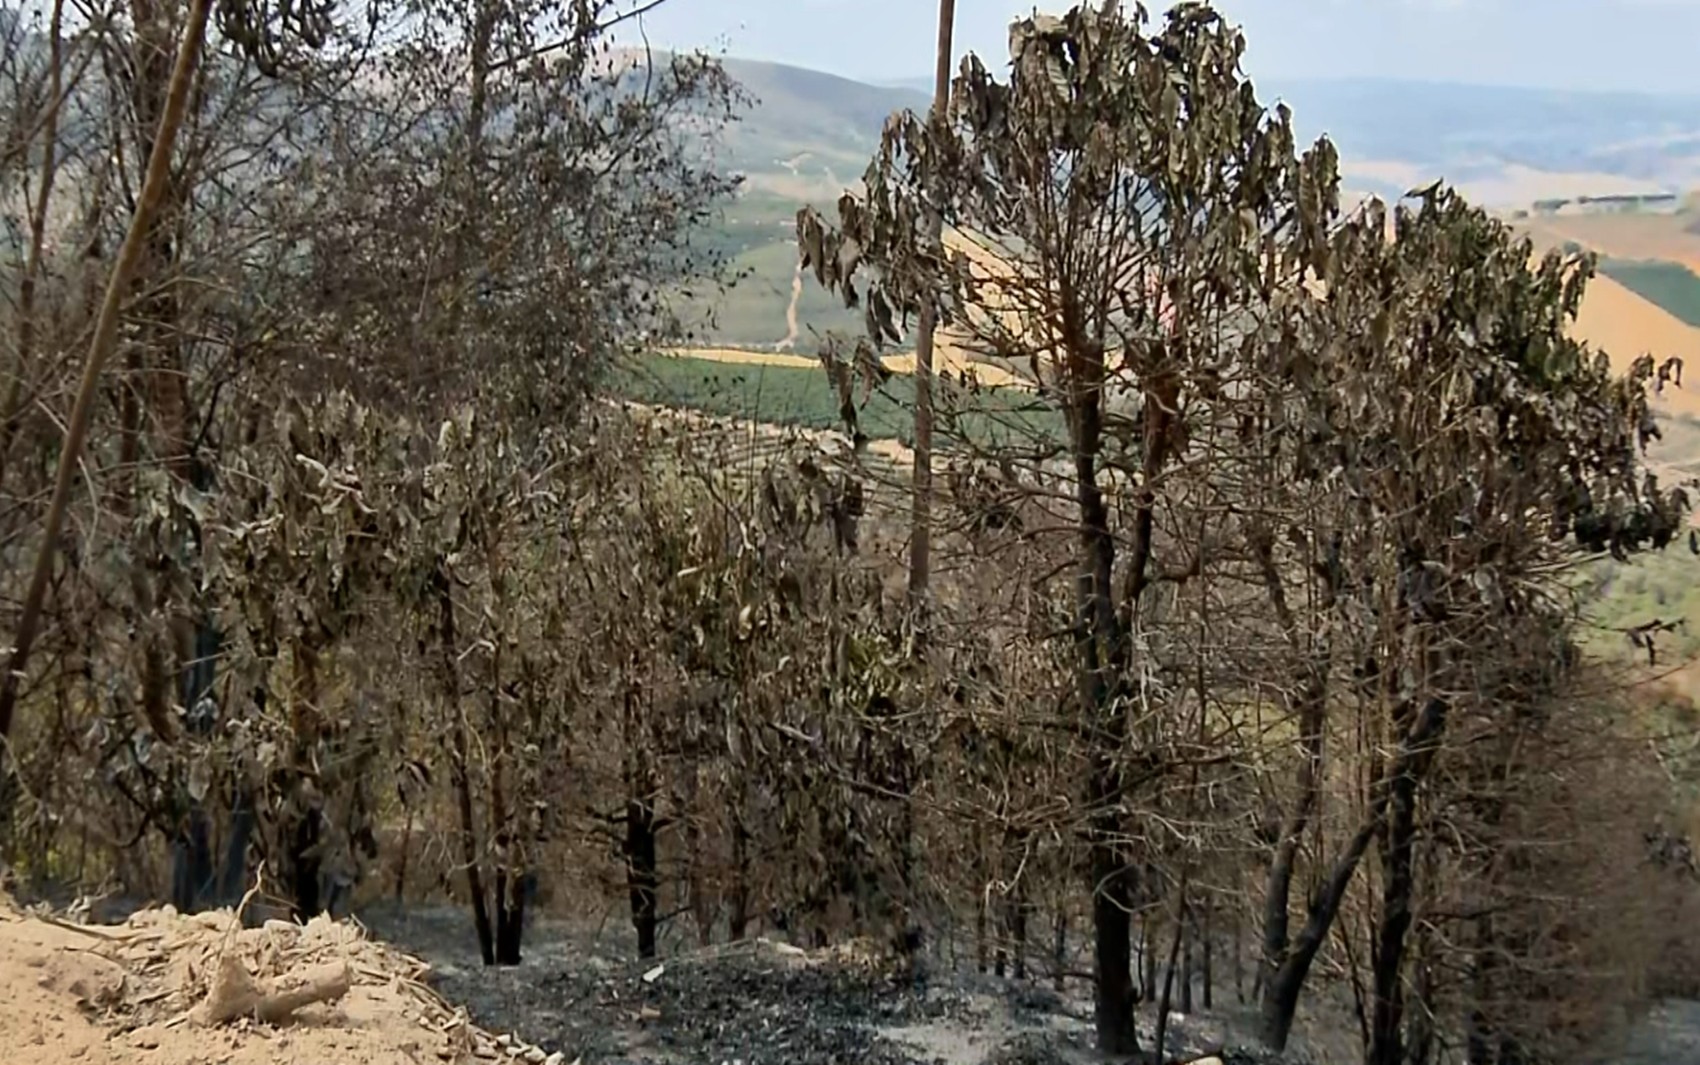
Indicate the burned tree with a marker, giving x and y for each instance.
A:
(1144, 208)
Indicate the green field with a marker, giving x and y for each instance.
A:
(802, 397)
(1660, 585)
(1670, 286)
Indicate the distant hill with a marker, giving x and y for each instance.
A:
(808, 134)
(799, 109)
(1501, 145)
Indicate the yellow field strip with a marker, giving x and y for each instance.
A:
(947, 362)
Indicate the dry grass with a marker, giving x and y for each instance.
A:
(950, 357)
(744, 357)
(1622, 236)
(1625, 326)
(1511, 185)
(1614, 319)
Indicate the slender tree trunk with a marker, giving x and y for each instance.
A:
(1479, 1041)
(509, 860)
(192, 856)
(738, 916)
(1278, 962)
(1162, 1037)
(1205, 944)
(1189, 953)
(1148, 957)
(1282, 984)
(1059, 953)
(233, 875)
(460, 771)
(980, 945)
(1421, 1043)
(303, 834)
(101, 345)
(1112, 897)
(701, 900)
(641, 872)
(1018, 930)
(907, 928)
(304, 866)
(510, 916)
(642, 881)
(401, 858)
(1398, 887)
(10, 414)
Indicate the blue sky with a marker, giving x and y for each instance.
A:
(1636, 45)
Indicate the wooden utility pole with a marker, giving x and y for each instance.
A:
(921, 532)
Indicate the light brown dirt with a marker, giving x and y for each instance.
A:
(92, 995)
(1625, 325)
(1629, 235)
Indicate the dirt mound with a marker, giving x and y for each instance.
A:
(190, 990)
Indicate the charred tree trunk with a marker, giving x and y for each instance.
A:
(1398, 888)
(906, 928)
(1479, 1038)
(1112, 935)
(460, 773)
(642, 880)
(1283, 967)
(1206, 949)
(1018, 931)
(1163, 997)
(510, 845)
(401, 858)
(1100, 646)
(1238, 963)
(193, 878)
(1188, 958)
(1147, 957)
(738, 915)
(1283, 982)
(303, 833)
(1421, 1039)
(1059, 953)
(304, 866)
(697, 878)
(511, 895)
(233, 874)
(1102, 662)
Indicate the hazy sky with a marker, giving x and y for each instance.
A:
(1650, 45)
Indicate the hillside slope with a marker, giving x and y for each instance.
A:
(1623, 324)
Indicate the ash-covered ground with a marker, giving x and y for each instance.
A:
(583, 992)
